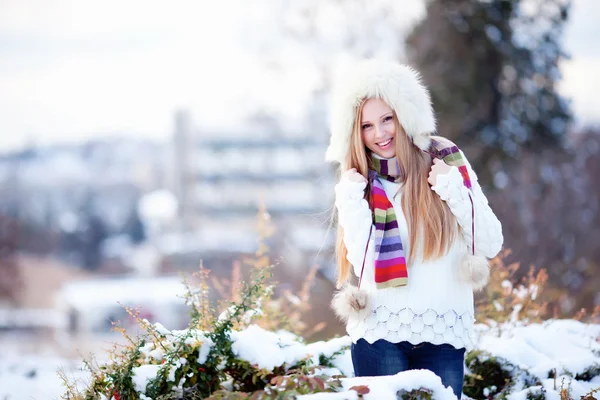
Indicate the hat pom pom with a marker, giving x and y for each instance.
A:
(474, 270)
(348, 300)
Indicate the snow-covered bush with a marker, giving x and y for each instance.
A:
(554, 359)
(220, 352)
(215, 361)
(489, 375)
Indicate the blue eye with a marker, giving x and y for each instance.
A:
(366, 126)
(388, 118)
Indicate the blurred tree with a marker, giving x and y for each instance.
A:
(550, 212)
(92, 237)
(10, 280)
(91, 233)
(492, 67)
(134, 227)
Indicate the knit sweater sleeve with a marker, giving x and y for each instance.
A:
(354, 216)
(488, 229)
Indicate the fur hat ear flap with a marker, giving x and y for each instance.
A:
(474, 270)
(423, 142)
(348, 300)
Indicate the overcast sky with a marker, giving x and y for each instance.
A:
(71, 70)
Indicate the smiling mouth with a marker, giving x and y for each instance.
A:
(386, 144)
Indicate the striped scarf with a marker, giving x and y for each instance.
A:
(390, 259)
(449, 153)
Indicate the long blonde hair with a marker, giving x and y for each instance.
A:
(432, 227)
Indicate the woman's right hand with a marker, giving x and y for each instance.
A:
(353, 176)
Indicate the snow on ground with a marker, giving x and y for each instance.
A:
(565, 345)
(36, 377)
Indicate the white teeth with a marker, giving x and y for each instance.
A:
(383, 144)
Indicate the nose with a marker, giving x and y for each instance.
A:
(380, 131)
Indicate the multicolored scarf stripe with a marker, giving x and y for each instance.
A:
(451, 156)
(390, 260)
(387, 170)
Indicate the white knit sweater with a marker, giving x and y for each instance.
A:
(435, 306)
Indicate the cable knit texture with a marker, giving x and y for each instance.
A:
(437, 305)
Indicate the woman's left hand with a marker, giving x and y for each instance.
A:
(438, 168)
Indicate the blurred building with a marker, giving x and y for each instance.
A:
(182, 157)
(221, 180)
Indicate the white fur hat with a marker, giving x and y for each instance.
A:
(398, 85)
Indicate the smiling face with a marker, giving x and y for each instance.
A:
(378, 128)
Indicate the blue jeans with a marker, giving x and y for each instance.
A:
(385, 358)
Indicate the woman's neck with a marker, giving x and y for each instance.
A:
(373, 154)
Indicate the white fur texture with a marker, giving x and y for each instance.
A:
(398, 85)
(348, 300)
(474, 270)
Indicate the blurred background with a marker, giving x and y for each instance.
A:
(139, 138)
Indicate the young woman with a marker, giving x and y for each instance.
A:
(413, 225)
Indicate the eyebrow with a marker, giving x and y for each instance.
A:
(382, 116)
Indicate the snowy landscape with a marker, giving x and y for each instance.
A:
(568, 347)
(141, 141)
